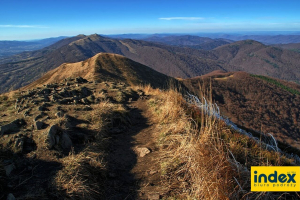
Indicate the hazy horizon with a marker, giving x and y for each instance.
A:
(26, 20)
(144, 35)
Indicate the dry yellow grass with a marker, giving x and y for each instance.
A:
(82, 176)
(194, 164)
(200, 155)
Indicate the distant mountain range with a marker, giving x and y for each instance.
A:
(184, 62)
(265, 38)
(8, 48)
(292, 46)
(191, 41)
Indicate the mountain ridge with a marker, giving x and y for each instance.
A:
(105, 67)
(181, 62)
(191, 41)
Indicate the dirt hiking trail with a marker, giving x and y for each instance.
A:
(133, 160)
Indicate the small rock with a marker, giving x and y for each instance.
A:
(153, 196)
(51, 136)
(85, 101)
(39, 116)
(142, 151)
(59, 114)
(9, 168)
(85, 91)
(59, 108)
(75, 101)
(66, 142)
(153, 172)
(43, 108)
(10, 196)
(19, 144)
(47, 118)
(57, 137)
(87, 108)
(26, 113)
(80, 80)
(39, 125)
(33, 156)
(140, 93)
(14, 125)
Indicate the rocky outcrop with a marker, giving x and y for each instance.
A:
(22, 143)
(58, 139)
(142, 151)
(12, 126)
(39, 125)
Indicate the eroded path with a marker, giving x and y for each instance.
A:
(133, 175)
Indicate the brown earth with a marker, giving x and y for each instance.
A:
(254, 103)
(133, 176)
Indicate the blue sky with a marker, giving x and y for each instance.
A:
(32, 19)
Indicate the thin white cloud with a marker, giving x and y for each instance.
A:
(21, 26)
(181, 18)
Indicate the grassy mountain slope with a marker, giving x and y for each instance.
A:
(253, 57)
(105, 67)
(291, 46)
(258, 103)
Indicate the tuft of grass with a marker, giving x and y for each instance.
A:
(83, 176)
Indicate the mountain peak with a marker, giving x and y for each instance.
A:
(94, 36)
(105, 67)
(80, 35)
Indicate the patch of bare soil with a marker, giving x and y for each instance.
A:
(134, 168)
